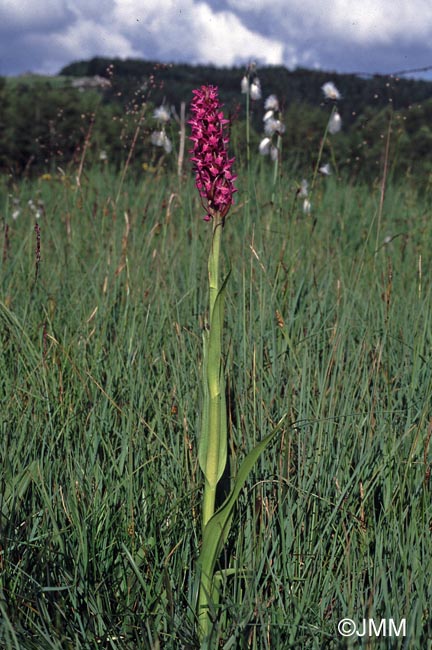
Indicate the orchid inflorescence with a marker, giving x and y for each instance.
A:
(212, 166)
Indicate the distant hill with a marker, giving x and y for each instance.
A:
(175, 82)
(46, 122)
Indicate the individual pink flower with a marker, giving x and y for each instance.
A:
(212, 166)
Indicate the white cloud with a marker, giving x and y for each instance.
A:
(222, 38)
(344, 35)
(30, 15)
(65, 30)
(140, 13)
(375, 22)
(333, 34)
(87, 38)
(361, 21)
(193, 31)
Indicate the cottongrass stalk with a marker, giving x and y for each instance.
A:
(245, 91)
(276, 161)
(252, 90)
(321, 149)
(383, 181)
(272, 126)
(333, 126)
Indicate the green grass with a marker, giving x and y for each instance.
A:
(100, 488)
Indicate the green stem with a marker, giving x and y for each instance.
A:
(276, 166)
(213, 378)
(213, 263)
(208, 505)
(247, 131)
(212, 465)
(204, 600)
(321, 149)
(213, 453)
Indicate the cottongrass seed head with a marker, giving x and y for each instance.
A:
(330, 91)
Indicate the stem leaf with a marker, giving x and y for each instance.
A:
(217, 529)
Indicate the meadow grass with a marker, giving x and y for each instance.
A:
(100, 487)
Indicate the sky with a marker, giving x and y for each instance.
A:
(345, 36)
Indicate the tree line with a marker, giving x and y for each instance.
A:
(50, 122)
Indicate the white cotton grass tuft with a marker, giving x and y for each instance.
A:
(264, 146)
(274, 153)
(271, 126)
(244, 85)
(17, 208)
(307, 206)
(37, 209)
(160, 139)
(255, 89)
(325, 170)
(271, 103)
(304, 189)
(330, 91)
(162, 114)
(335, 123)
